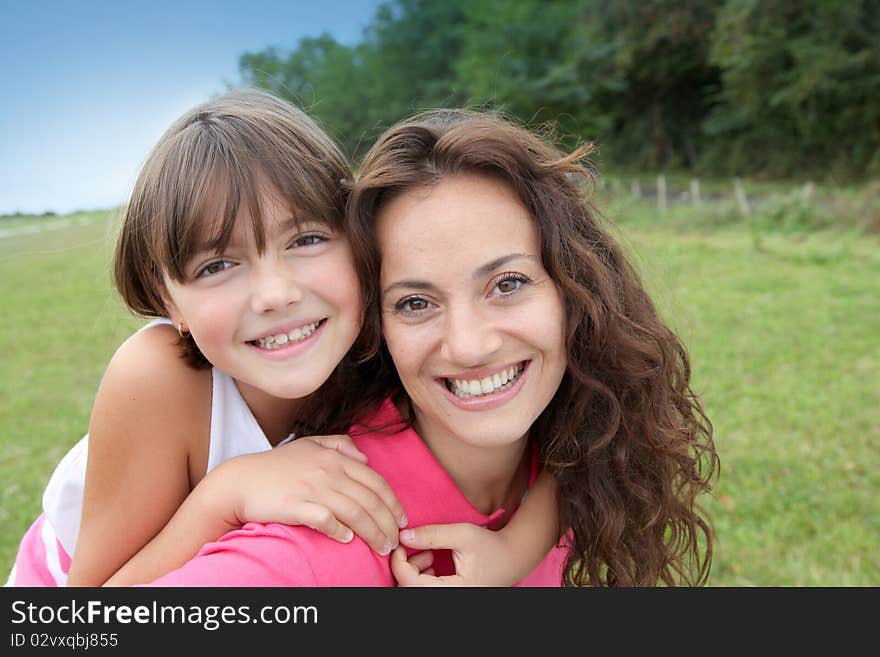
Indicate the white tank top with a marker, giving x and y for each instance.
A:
(234, 431)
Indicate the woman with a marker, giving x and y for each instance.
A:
(515, 331)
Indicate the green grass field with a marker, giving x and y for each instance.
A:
(783, 328)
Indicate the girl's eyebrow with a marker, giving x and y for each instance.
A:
(480, 272)
(210, 246)
(302, 222)
(204, 249)
(291, 222)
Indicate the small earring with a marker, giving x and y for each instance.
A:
(182, 332)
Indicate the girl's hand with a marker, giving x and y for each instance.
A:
(482, 557)
(322, 482)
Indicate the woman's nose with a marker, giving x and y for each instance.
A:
(470, 338)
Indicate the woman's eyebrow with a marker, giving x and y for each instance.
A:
(409, 285)
(489, 267)
(480, 272)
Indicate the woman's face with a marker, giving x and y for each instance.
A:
(474, 323)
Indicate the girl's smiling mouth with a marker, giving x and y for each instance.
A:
(289, 338)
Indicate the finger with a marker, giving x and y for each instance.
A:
(408, 575)
(352, 513)
(321, 519)
(456, 536)
(421, 561)
(404, 572)
(370, 502)
(368, 477)
(342, 444)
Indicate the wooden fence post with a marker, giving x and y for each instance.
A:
(695, 191)
(807, 191)
(661, 192)
(741, 199)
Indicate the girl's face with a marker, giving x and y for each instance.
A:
(277, 322)
(472, 320)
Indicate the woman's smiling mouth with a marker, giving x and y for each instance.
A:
(467, 388)
(486, 392)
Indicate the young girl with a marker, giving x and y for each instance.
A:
(234, 234)
(508, 329)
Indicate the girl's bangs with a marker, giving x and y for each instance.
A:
(208, 211)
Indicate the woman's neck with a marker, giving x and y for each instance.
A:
(490, 477)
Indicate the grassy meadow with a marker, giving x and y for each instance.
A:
(782, 324)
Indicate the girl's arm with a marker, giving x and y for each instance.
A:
(148, 447)
(150, 415)
(483, 557)
(321, 482)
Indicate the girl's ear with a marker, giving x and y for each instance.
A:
(171, 310)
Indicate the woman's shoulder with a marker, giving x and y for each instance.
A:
(381, 418)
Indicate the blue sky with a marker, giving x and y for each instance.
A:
(89, 86)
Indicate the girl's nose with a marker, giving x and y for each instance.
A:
(273, 287)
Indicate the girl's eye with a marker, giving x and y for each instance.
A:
(213, 268)
(412, 306)
(509, 283)
(309, 240)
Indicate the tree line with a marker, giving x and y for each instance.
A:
(775, 88)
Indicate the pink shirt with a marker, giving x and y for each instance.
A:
(294, 555)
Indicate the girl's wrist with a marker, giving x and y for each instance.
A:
(219, 500)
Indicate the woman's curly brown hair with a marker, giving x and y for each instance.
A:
(625, 436)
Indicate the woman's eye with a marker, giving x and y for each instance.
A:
(309, 240)
(508, 285)
(511, 283)
(412, 305)
(213, 268)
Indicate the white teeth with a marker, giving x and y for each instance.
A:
(295, 335)
(476, 387)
